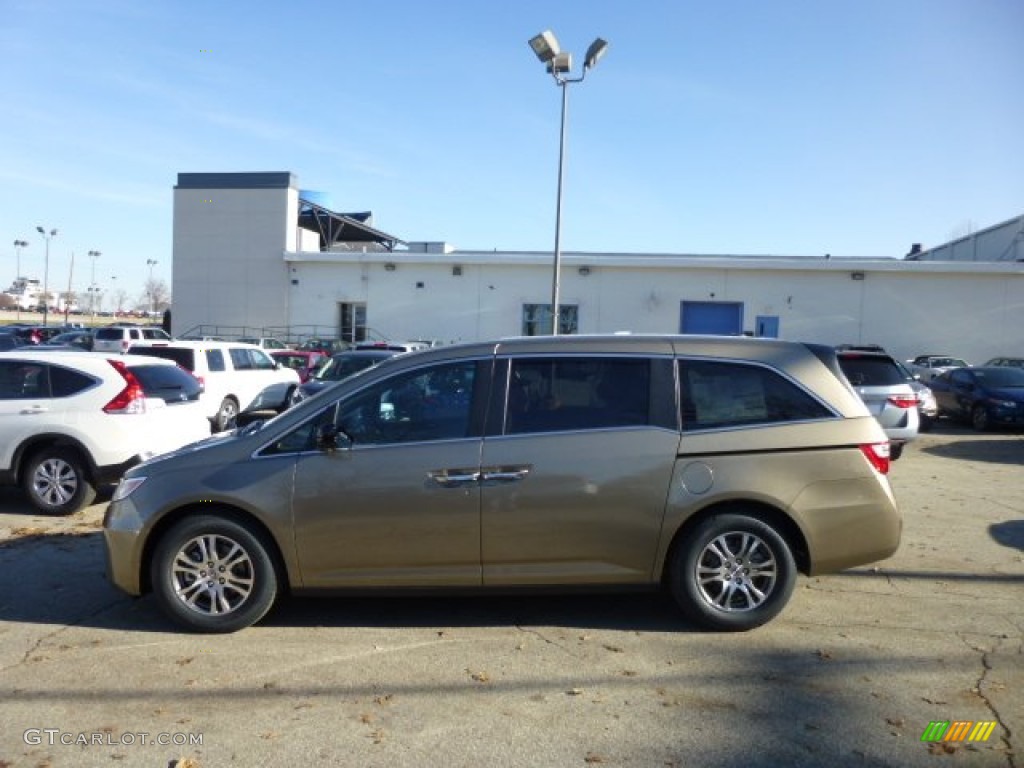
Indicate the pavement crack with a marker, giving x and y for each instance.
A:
(546, 639)
(979, 689)
(44, 639)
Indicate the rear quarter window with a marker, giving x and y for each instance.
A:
(716, 395)
(215, 360)
(65, 382)
(183, 357)
(109, 334)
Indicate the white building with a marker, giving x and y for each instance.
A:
(253, 252)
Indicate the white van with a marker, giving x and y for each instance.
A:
(236, 377)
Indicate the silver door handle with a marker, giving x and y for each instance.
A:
(506, 474)
(35, 409)
(454, 478)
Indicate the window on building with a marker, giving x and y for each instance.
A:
(353, 322)
(537, 319)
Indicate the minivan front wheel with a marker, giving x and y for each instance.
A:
(212, 574)
(733, 572)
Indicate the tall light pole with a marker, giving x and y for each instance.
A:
(149, 286)
(46, 270)
(559, 64)
(93, 255)
(18, 245)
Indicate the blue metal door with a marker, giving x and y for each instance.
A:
(718, 318)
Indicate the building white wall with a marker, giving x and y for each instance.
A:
(228, 268)
(911, 308)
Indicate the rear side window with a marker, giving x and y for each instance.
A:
(715, 395)
(155, 333)
(167, 382)
(25, 381)
(556, 394)
(215, 360)
(21, 380)
(109, 334)
(870, 371)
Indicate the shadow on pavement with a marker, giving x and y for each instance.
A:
(994, 450)
(1009, 534)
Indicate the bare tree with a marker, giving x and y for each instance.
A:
(158, 295)
(120, 296)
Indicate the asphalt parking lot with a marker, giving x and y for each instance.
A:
(852, 673)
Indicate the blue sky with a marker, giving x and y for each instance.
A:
(795, 127)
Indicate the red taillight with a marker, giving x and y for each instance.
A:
(878, 455)
(904, 401)
(131, 399)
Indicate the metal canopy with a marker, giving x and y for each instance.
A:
(336, 228)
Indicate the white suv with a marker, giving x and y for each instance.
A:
(237, 377)
(71, 421)
(118, 338)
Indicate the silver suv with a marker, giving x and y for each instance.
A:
(718, 468)
(884, 388)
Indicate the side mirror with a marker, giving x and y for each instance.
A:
(330, 439)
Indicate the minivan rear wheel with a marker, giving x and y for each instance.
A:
(733, 572)
(212, 574)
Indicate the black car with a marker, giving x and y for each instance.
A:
(987, 396)
(339, 367)
(9, 340)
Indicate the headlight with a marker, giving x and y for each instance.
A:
(127, 487)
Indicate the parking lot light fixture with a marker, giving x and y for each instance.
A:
(18, 245)
(47, 236)
(559, 65)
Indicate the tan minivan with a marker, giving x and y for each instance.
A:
(717, 468)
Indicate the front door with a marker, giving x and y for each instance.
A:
(401, 506)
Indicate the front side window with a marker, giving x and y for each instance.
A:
(556, 394)
(261, 361)
(432, 403)
(537, 319)
(240, 359)
(714, 395)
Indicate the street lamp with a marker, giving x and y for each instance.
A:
(559, 64)
(152, 295)
(18, 245)
(92, 286)
(46, 270)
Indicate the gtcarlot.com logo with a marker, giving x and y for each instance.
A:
(53, 736)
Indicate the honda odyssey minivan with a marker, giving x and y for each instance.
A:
(715, 468)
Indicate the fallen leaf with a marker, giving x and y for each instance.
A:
(896, 721)
(613, 648)
(592, 757)
(574, 692)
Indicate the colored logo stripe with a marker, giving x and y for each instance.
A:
(958, 730)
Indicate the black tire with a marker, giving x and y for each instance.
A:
(244, 583)
(895, 451)
(979, 418)
(55, 481)
(927, 422)
(730, 598)
(226, 415)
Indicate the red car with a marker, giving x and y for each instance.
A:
(302, 361)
